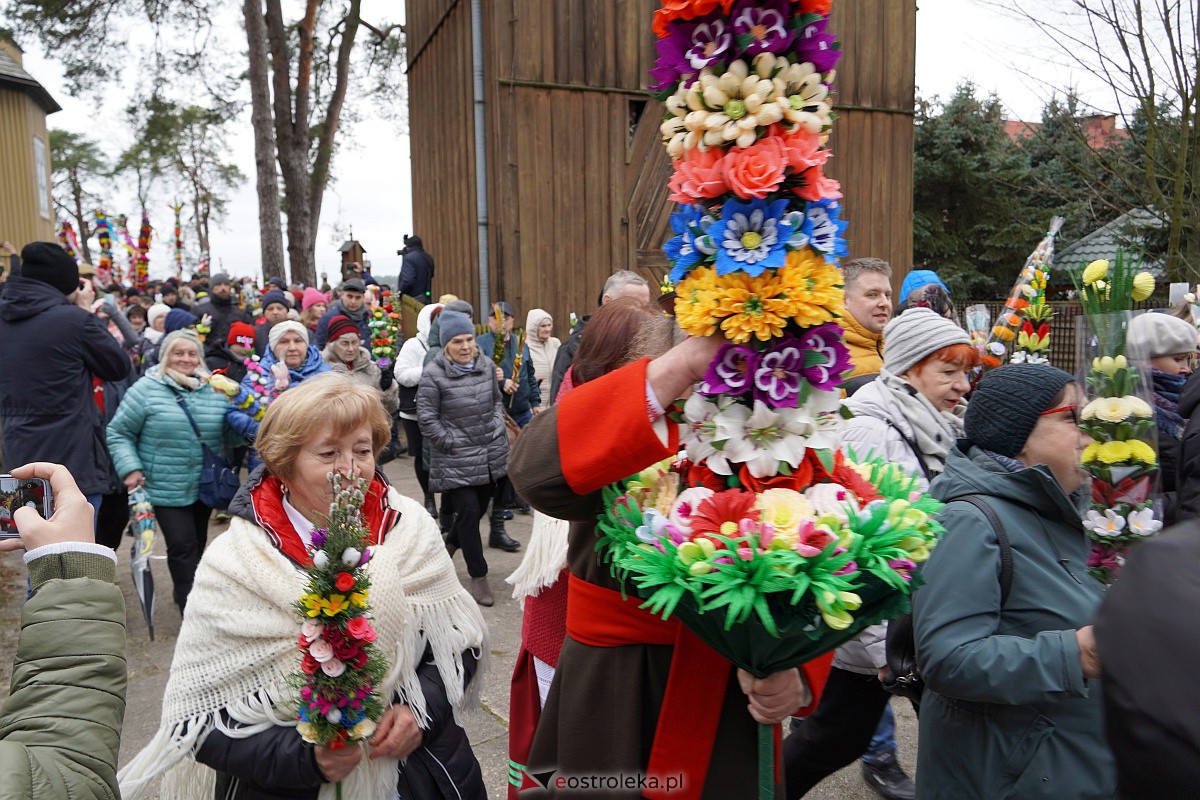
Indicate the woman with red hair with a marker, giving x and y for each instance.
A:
(910, 415)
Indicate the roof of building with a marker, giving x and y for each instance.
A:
(349, 245)
(1123, 232)
(13, 75)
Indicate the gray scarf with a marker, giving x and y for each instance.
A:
(933, 432)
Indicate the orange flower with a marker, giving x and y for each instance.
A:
(698, 175)
(803, 150)
(821, 7)
(757, 170)
(1016, 303)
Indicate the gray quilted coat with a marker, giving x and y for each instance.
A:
(459, 414)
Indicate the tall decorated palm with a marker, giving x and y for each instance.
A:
(764, 539)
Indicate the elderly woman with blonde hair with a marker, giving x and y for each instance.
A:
(228, 726)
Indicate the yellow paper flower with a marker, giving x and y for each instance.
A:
(1090, 453)
(750, 307)
(1143, 285)
(307, 731)
(785, 510)
(813, 288)
(313, 603)
(1110, 409)
(1109, 365)
(1114, 452)
(694, 302)
(1095, 271)
(358, 599)
(1140, 451)
(335, 604)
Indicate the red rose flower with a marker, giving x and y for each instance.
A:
(344, 582)
(346, 651)
(360, 660)
(309, 664)
(701, 475)
(360, 628)
(333, 635)
(799, 480)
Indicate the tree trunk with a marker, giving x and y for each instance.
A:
(291, 139)
(333, 115)
(266, 174)
(81, 225)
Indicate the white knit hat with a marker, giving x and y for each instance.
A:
(157, 310)
(286, 326)
(915, 334)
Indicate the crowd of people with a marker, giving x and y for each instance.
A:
(1029, 690)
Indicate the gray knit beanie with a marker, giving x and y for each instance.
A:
(451, 324)
(1007, 403)
(1153, 334)
(461, 306)
(915, 334)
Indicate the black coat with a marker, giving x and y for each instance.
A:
(49, 351)
(224, 313)
(1186, 461)
(1149, 647)
(416, 275)
(564, 359)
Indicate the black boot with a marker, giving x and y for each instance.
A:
(445, 518)
(431, 506)
(499, 538)
(887, 778)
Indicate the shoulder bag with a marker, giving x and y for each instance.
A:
(218, 482)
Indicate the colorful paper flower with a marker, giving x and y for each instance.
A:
(731, 371)
(692, 245)
(685, 505)
(730, 109)
(687, 48)
(1143, 286)
(820, 227)
(784, 510)
(722, 513)
(1110, 523)
(817, 46)
(813, 289)
(699, 175)
(761, 26)
(799, 92)
(827, 357)
(1097, 270)
(756, 171)
(1143, 522)
(778, 374)
(751, 236)
(764, 437)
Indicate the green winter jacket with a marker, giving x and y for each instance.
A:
(151, 433)
(1007, 712)
(60, 729)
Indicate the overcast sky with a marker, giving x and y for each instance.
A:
(957, 40)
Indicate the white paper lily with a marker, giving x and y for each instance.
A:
(1110, 523)
(766, 436)
(1143, 522)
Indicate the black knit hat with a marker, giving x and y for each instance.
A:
(1006, 405)
(49, 263)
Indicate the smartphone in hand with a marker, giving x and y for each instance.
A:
(19, 492)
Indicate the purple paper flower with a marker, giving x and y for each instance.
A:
(730, 372)
(762, 27)
(689, 48)
(826, 357)
(903, 567)
(318, 537)
(778, 375)
(816, 46)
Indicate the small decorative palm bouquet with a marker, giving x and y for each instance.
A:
(1122, 460)
(385, 323)
(340, 666)
(1024, 322)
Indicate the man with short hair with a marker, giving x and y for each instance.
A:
(352, 303)
(622, 283)
(868, 285)
(222, 310)
(275, 310)
(49, 351)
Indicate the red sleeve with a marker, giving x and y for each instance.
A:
(605, 433)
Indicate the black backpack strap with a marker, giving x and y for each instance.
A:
(1001, 539)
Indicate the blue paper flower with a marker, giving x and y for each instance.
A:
(824, 225)
(751, 236)
(693, 245)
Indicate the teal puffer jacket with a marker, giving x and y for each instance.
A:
(151, 433)
(1007, 712)
(61, 726)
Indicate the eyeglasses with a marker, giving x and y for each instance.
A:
(1073, 409)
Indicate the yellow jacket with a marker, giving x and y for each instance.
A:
(866, 348)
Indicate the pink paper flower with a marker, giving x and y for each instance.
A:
(321, 650)
(757, 170)
(700, 175)
(333, 667)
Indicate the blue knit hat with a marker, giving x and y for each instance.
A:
(178, 319)
(918, 278)
(453, 323)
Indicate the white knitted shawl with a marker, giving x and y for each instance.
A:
(545, 557)
(237, 649)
